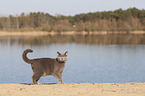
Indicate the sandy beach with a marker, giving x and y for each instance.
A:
(38, 33)
(43, 33)
(74, 89)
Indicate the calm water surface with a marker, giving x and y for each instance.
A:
(92, 63)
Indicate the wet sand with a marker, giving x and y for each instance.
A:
(74, 89)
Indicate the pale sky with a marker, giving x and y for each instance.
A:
(65, 7)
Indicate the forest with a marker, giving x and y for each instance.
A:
(131, 19)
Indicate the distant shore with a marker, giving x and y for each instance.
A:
(43, 33)
(74, 89)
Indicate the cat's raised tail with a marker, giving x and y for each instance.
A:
(25, 58)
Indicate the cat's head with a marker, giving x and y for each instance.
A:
(62, 57)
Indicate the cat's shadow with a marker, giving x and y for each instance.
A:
(38, 84)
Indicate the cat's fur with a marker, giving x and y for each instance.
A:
(46, 66)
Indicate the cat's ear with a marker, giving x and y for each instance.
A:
(66, 53)
(58, 53)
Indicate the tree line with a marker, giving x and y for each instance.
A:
(131, 19)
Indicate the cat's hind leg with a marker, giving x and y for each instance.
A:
(35, 78)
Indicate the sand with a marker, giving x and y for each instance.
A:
(74, 89)
(43, 33)
(6, 34)
(38, 33)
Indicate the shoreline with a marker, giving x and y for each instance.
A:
(43, 33)
(74, 89)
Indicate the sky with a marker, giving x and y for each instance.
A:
(65, 7)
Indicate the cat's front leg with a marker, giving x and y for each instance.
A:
(59, 77)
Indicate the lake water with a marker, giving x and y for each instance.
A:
(87, 61)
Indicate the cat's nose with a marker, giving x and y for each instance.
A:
(62, 59)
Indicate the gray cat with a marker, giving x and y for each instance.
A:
(46, 66)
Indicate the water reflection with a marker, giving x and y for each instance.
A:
(83, 39)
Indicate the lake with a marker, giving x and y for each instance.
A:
(92, 59)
